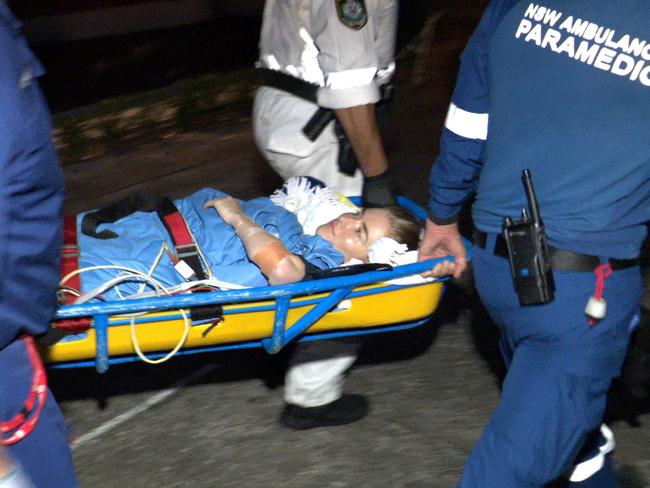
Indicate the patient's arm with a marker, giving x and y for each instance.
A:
(274, 260)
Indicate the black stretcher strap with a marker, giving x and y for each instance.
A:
(315, 273)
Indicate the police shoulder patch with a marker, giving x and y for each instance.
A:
(352, 13)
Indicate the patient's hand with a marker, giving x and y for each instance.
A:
(227, 207)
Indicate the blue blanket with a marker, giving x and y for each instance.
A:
(141, 234)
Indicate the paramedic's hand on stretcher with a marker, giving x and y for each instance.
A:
(440, 241)
(274, 260)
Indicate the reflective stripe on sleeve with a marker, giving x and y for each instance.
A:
(349, 97)
(269, 61)
(466, 124)
(310, 69)
(351, 78)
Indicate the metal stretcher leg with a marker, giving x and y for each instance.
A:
(281, 336)
(101, 331)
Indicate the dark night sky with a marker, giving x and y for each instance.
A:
(84, 70)
(35, 8)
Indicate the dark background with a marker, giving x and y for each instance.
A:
(82, 72)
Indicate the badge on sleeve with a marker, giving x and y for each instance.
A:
(352, 13)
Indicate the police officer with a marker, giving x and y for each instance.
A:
(32, 428)
(325, 65)
(562, 89)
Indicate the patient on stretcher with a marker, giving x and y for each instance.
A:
(267, 240)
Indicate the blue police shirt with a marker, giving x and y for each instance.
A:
(561, 88)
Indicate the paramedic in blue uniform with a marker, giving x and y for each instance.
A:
(319, 57)
(32, 430)
(561, 88)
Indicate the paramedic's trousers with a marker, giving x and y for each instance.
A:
(560, 369)
(45, 453)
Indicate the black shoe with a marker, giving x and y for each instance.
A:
(347, 409)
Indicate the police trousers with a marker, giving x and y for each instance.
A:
(278, 120)
(317, 371)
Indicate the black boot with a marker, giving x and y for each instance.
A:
(347, 409)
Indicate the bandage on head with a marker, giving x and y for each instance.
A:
(269, 256)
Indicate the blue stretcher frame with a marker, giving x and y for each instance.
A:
(339, 288)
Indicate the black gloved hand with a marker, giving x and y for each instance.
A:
(378, 191)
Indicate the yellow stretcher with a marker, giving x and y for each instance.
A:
(154, 329)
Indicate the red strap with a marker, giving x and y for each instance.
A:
(178, 229)
(70, 254)
(23, 423)
(602, 271)
(70, 263)
(184, 245)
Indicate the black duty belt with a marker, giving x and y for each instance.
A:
(347, 160)
(561, 260)
(290, 84)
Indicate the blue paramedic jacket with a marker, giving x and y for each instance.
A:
(31, 191)
(561, 88)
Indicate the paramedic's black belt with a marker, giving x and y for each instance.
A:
(561, 260)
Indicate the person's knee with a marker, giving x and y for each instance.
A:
(496, 461)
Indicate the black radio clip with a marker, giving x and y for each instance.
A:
(528, 253)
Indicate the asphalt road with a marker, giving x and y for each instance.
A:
(211, 420)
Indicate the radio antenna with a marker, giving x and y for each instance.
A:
(530, 195)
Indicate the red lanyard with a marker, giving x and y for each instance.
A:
(24, 422)
(597, 306)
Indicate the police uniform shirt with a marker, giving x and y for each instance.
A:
(344, 46)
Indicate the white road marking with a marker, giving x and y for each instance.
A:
(150, 402)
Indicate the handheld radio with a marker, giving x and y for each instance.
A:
(528, 252)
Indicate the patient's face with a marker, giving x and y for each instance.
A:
(351, 234)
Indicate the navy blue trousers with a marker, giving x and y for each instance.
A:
(559, 371)
(45, 453)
